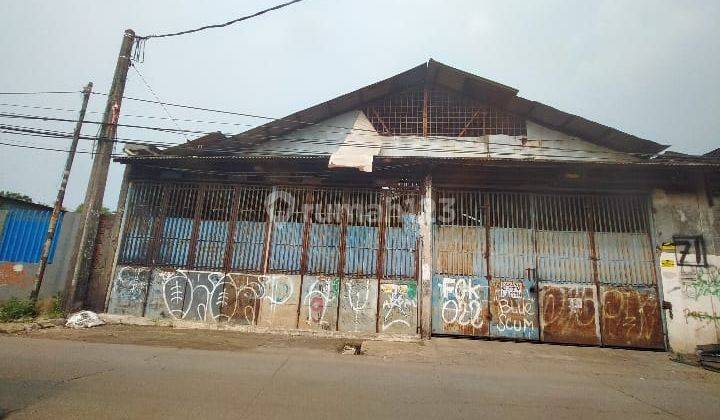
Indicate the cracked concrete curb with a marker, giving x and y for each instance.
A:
(197, 325)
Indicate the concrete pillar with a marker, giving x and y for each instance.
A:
(425, 278)
(118, 223)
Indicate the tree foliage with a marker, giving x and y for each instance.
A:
(103, 210)
(16, 196)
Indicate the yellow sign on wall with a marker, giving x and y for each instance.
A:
(667, 247)
(667, 263)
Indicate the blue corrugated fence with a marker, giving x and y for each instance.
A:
(23, 235)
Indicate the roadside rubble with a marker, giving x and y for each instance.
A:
(84, 319)
(29, 325)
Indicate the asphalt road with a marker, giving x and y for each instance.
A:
(446, 379)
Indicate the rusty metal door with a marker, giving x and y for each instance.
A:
(563, 268)
(626, 276)
(460, 286)
(568, 293)
(513, 285)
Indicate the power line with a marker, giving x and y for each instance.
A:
(198, 108)
(152, 91)
(41, 93)
(314, 141)
(27, 146)
(314, 153)
(221, 25)
(322, 142)
(46, 118)
(317, 141)
(152, 117)
(32, 132)
(372, 131)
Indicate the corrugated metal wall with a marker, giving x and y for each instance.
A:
(568, 268)
(23, 235)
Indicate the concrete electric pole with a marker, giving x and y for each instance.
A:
(77, 289)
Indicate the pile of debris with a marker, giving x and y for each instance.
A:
(709, 356)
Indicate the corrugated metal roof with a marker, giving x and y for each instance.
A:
(438, 74)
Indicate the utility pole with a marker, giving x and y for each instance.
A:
(61, 194)
(75, 295)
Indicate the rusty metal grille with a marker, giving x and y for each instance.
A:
(460, 233)
(512, 249)
(549, 237)
(325, 216)
(255, 229)
(437, 112)
(144, 207)
(622, 240)
(287, 230)
(248, 238)
(562, 240)
(401, 232)
(362, 234)
(213, 227)
(179, 215)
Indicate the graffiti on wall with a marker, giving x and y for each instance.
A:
(207, 296)
(320, 301)
(631, 316)
(513, 308)
(129, 290)
(358, 305)
(568, 314)
(690, 251)
(705, 282)
(463, 306)
(701, 316)
(273, 300)
(399, 307)
(196, 295)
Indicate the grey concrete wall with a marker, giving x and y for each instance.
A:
(693, 292)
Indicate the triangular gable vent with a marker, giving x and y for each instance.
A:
(438, 112)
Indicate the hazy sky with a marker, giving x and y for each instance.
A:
(650, 68)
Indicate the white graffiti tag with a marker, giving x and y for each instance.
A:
(399, 305)
(218, 296)
(462, 302)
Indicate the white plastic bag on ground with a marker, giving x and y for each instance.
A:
(83, 319)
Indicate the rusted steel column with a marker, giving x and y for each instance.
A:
(270, 222)
(425, 112)
(592, 223)
(230, 241)
(158, 227)
(425, 219)
(195, 232)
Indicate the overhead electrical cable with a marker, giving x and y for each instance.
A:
(320, 141)
(219, 25)
(152, 91)
(41, 92)
(27, 146)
